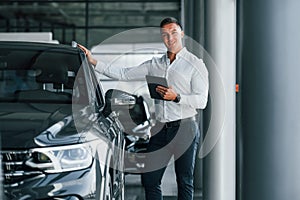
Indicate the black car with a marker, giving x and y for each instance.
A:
(60, 138)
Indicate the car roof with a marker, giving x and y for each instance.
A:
(16, 54)
(37, 45)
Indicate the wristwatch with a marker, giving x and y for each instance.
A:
(177, 99)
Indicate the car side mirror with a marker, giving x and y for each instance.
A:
(132, 110)
(120, 98)
(117, 100)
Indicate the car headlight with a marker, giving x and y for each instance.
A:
(62, 158)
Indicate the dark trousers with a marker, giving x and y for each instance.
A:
(181, 141)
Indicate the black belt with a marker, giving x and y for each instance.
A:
(172, 124)
(177, 122)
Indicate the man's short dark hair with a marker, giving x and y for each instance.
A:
(170, 20)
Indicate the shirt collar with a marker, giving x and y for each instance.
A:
(181, 53)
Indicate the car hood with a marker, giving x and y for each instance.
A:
(25, 125)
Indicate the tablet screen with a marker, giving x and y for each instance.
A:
(153, 82)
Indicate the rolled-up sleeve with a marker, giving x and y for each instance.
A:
(198, 97)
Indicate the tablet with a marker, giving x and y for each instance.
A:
(153, 82)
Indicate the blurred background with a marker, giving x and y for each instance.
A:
(252, 54)
(88, 22)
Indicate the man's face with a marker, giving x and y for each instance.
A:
(172, 37)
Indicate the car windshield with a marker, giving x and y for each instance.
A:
(35, 74)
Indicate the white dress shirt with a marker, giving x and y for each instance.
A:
(187, 75)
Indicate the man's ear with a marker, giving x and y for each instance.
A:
(182, 34)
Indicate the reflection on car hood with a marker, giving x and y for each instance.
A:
(26, 125)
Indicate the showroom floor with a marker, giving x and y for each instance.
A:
(134, 190)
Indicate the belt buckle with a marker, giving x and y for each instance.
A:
(168, 125)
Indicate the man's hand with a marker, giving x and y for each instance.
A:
(166, 93)
(88, 54)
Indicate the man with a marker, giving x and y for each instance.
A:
(187, 77)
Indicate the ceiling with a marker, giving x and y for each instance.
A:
(86, 21)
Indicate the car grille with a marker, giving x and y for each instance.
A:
(13, 167)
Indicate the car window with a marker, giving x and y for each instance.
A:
(39, 74)
(93, 88)
(99, 93)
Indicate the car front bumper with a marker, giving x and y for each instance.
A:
(71, 185)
